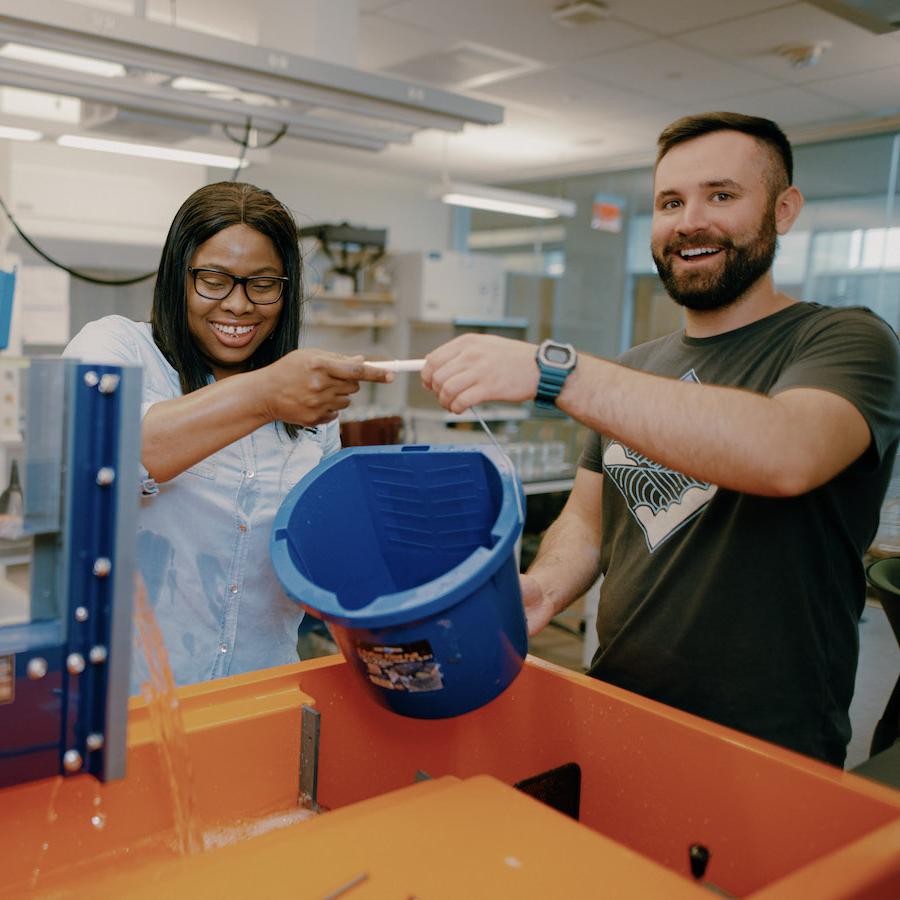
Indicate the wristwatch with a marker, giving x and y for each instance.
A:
(555, 361)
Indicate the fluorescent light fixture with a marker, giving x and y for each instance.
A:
(183, 83)
(519, 203)
(277, 87)
(221, 91)
(19, 134)
(150, 151)
(59, 60)
(40, 105)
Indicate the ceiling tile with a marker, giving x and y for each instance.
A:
(666, 70)
(877, 92)
(366, 6)
(571, 96)
(790, 106)
(518, 26)
(753, 41)
(383, 42)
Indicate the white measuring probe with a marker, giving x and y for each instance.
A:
(399, 365)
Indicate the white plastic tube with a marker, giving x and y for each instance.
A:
(399, 365)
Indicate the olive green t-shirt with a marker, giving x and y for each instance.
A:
(740, 608)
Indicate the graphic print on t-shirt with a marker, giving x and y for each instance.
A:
(660, 499)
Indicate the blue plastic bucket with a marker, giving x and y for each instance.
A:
(408, 553)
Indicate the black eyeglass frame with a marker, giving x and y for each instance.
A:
(240, 279)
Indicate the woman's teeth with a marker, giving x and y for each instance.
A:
(232, 329)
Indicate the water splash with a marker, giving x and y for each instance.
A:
(167, 723)
(52, 817)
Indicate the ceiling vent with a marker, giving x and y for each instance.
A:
(877, 16)
(580, 12)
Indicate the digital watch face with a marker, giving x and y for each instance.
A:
(557, 355)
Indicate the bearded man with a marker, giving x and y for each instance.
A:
(736, 469)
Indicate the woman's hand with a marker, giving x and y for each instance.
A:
(309, 387)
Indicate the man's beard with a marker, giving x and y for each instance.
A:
(743, 265)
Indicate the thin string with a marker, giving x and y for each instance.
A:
(505, 458)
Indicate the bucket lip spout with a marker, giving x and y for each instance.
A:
(425, 600)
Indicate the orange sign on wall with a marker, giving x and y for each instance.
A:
(607, 213)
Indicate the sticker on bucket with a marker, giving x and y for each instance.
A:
(402, 667)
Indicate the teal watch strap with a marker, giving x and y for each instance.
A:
(555, 362)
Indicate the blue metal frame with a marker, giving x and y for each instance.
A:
(68, 708)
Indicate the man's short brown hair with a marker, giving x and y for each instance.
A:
(780, 174)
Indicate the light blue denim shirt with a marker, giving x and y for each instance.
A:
(203, 538)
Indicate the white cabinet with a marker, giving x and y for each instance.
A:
(448, 285)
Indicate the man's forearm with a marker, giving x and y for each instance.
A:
(568, 561)
(774, 446)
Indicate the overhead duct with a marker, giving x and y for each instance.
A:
(228, 81)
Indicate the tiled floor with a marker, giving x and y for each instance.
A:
(879, 666)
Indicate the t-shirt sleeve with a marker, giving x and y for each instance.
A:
(592, 454)
(117, 341)
(111, 341)
(855, 354)
(105, 342)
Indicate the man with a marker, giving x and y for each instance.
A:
(736, 469)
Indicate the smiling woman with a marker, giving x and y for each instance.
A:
(230, 315)
(234, 414)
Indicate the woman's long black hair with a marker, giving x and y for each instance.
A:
(204, 214)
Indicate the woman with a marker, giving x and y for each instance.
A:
(233, 416)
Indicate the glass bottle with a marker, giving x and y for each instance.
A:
(11, 501)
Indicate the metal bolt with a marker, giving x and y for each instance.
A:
(97, 654)
(102, 567)
(91, 379)
(106, 476)
(75, 663)
(109, 383)
(72, 761)
(36, 668)
(94, 741)
(81, 614)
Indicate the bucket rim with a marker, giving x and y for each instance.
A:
(404, 606)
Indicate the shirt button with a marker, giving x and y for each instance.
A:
(223, 648)
(233, 588)
(251, 473)
(242, 527)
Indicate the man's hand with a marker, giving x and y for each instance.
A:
(477, 368)
(538, 609)
(308, 387)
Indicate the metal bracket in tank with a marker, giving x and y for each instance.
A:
(310, 724)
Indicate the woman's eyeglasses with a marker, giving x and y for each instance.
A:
(260, 289)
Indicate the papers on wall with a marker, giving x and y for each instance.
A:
(43, 293)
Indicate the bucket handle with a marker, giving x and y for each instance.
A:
(506, 463)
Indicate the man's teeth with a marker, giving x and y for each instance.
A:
(232, 329)
(698, 251)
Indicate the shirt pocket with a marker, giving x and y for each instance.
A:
(203, 469)
(305, 454)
